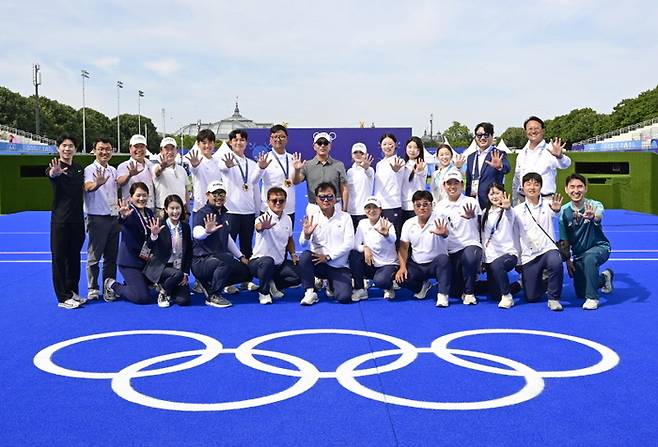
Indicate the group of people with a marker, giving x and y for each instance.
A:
(394, 225)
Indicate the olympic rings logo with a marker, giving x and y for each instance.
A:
(346, 374)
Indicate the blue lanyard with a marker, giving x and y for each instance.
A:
(286, 171)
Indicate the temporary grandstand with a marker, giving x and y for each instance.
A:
(638, 136)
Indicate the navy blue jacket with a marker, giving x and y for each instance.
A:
(488, 175)
(133, 237)
(162, 251)
(217, 242)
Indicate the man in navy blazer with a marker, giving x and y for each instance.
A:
(486, 165)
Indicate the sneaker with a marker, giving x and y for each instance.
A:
(609, 275)
(318, 283)
(93, 294)
(330, 293)
(276, 293)
(423, 291)
(198, 288)
(163, 299)
(78, 298)
(369, 283)
(396, 286)
(389, 294)
(554, 305)
(231, 290)
(469, 299)
(109, 295)
(442, 300)
(310, 298)
(506, 301)
(250, 286)
(218, 301)
(591, 304)
(70, 304)
(359, 294)
(264, 299)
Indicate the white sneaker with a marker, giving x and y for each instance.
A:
(396, 286)
(93, 294)
(231, 290)
(554, 305)
(591, 304)
(163, 300)
(506, 301)
(423, 291)
(609, 276)
(250, 286)
(330, 293)
(389, 294)
(70, 304)
(369, 283)
(359, 294)
(442, 300)
(78, 298)
(276, 293)
(310, 298)
(264, 299)
(469, 299)
(318, 283)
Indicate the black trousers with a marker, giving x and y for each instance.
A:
(242, 229)
(66, 240)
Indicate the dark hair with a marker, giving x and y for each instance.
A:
(421, 155)
(66, 136)
(388, 135)
(446, 146)
(488, 128)
(205, 134)
(278, 127)
(325, 185)
(422, 194)
(138, 185)
(235, 132)
(101, 140)
(532, 176)
(485, 214)
(575, 176)
(175, 198)
(276, 190)
(533, 118)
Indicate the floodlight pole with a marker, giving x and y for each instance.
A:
(85, 75)
(140, 95)
(119, 87)
(36, 80)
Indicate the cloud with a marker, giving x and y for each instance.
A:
(106, 63)
(163, 67)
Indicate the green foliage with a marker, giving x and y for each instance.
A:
(458, 135)
(514, 137)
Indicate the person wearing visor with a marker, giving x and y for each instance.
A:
(136, 169)
(360, 181)
(169, 177)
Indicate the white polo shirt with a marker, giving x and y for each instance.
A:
(273, 241)
(532, 239)
(239, 201)
(499, 237)
(206, 172)
(332, 236)
(274, 175)
(383, 248)
(359, 184)
(417, 183)
(461, 232)
(103, 201)
(425, 245)
(145, 176)
(541, 161)
(172, 180)
(388, 183)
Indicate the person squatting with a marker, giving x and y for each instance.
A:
(392, 225)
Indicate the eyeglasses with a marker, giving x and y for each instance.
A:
(326, 197)
(218, 195)
(278, 137)
(422, 204)
(322, 143)
(482, 135)
(277, 201)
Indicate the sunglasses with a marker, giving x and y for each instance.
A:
(219, 195)
(277, 201)
(322, 143)
(422, 204)
(326, 197)
(482, 135)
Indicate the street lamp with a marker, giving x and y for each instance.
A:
(119, 87)
(140, 95)
(36, 80)
(85, 75)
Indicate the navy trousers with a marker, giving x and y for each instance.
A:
(340, 278)
(465, 269)
(533, 284)
(497, 279)
(439, 268)
(242, 228)
(382, 276)
(284, 275)
(218, 270)
(135, 287)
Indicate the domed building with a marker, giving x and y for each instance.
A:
(223, 127)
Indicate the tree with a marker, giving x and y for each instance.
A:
(515, 137)
(458, 135)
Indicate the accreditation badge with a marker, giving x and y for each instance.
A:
(145, 252)
(178, 264)
(474, 187)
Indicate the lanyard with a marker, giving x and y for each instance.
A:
(286, 171)
(141, 218)
(540, 227)
(244, 173)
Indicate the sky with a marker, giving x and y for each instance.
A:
(334, 64)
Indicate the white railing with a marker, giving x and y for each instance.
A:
(33, 137)
(623, 130)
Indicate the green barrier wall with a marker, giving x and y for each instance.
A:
(636, 191)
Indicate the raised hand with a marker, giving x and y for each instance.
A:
(556, 202)
(365, 161)
(154, 226)
(99, 177)
(589, 213)
(469, 211)
(297, 162)
(229, 160)
(440, 228)
(420, 167)
(397, 163)
(266, 222)
(557, 147)
(459, 161)
(210, 223)
(125, 209)
(164, 162)
(308, 226)
(496, 160)
(55, 168)
(262, 161)
(133, 169)
(384, 226)
(194, 158)
(506, 201)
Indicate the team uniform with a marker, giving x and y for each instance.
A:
(384, 256)
(359, 183)
(411, 182)
(145, 176)
(500, 250)
(388, 189)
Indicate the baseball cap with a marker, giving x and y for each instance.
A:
(453, 174)
(168, 140)
(215, 185)
(324, 135)
(137, 139)
(372, 200)
(359, 147)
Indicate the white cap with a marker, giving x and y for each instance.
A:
(168, 140)
(324, 135)
(453, 174)
(372, 200)
(137, 139)
(359, 147)
(215, 185)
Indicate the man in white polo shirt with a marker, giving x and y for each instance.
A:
(168, 176)
(273, 242)
(280, 172)
(101, 207)
(136, 169)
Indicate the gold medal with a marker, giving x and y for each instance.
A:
(287, 183)
(245, 187)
